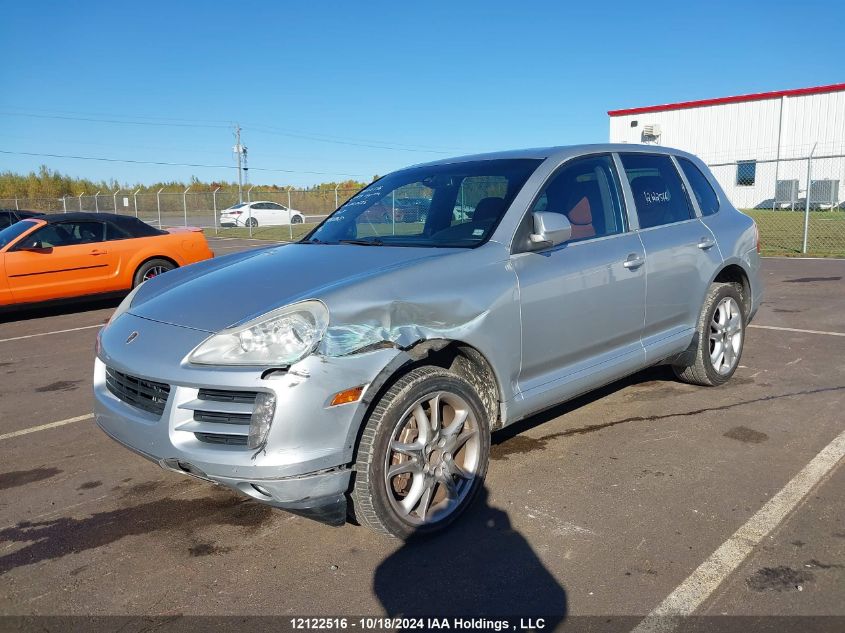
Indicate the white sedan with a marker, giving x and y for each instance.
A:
(260, 213)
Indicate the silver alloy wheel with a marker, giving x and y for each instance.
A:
(155, 271)
(433, 458)
(725, 335)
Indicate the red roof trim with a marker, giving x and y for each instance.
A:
(736, 99)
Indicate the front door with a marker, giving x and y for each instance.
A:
(67, 259)
(583, 302)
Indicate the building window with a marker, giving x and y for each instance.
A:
(746, 173)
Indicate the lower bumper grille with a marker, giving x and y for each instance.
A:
(147, 395)
(220, 416)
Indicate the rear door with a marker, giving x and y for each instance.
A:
(680, 253)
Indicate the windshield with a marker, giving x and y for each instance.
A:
(11, 233)
(451, 205)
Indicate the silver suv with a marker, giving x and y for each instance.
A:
(362, 370)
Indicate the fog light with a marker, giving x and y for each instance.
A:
(347, 395)
(262, 418)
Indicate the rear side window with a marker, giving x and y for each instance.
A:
(658, 191)
(703, 191)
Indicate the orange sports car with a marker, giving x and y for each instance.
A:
(64, 256)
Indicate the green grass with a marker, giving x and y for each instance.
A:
(781, 232)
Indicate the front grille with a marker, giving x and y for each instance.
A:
(147, 395)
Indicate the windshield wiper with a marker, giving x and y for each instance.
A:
(361, 241)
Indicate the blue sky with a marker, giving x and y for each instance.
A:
(353, 89)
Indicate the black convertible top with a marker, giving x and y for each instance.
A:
(129, 223)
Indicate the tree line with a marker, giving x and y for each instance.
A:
(49, 183)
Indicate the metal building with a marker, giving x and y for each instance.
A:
(763, 148)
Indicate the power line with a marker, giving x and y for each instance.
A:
(169, 164)
(115, 121)
(354, 142)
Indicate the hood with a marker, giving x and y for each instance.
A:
(226, 291)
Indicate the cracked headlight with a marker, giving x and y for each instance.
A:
(280, 337)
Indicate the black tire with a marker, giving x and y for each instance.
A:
(150, 269)
(698, 368)
(386, 218)
(251, 222)
(370, 504)
(297, 219)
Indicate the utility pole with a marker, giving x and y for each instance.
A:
(240, 150)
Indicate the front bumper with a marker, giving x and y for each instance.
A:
(304, 465)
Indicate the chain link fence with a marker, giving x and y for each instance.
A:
(798, 203)
(203, 209)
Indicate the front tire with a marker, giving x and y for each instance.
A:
(297, 219)
(720, 337)
(423, 454)
(150, 269)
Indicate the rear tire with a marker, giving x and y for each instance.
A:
(251, 222)
(150, 269)
(719, 339)
(423, 454)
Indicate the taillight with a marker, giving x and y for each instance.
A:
(757, 237)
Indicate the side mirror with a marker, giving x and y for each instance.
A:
(550, 229)
(43, 250)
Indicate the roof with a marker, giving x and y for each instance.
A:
(758, 96)
(558, 152)
(75, 216)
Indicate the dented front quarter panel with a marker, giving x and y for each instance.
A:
(468, 296)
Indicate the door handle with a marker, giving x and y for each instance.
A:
(633, 262)
(706, 242)
(97, 251)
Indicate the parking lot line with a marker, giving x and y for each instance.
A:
(44, 427)
(73, 329)
(792, 329)
(701, 584)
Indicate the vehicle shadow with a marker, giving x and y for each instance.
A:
(659, 375)
(59, 309)
(480, 567)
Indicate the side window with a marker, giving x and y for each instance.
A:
(85, 232)
(5, 220)
(273, 205)
(586, 192)
(658, 191)
(114, 232)
(703, 191)
(47, 237)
